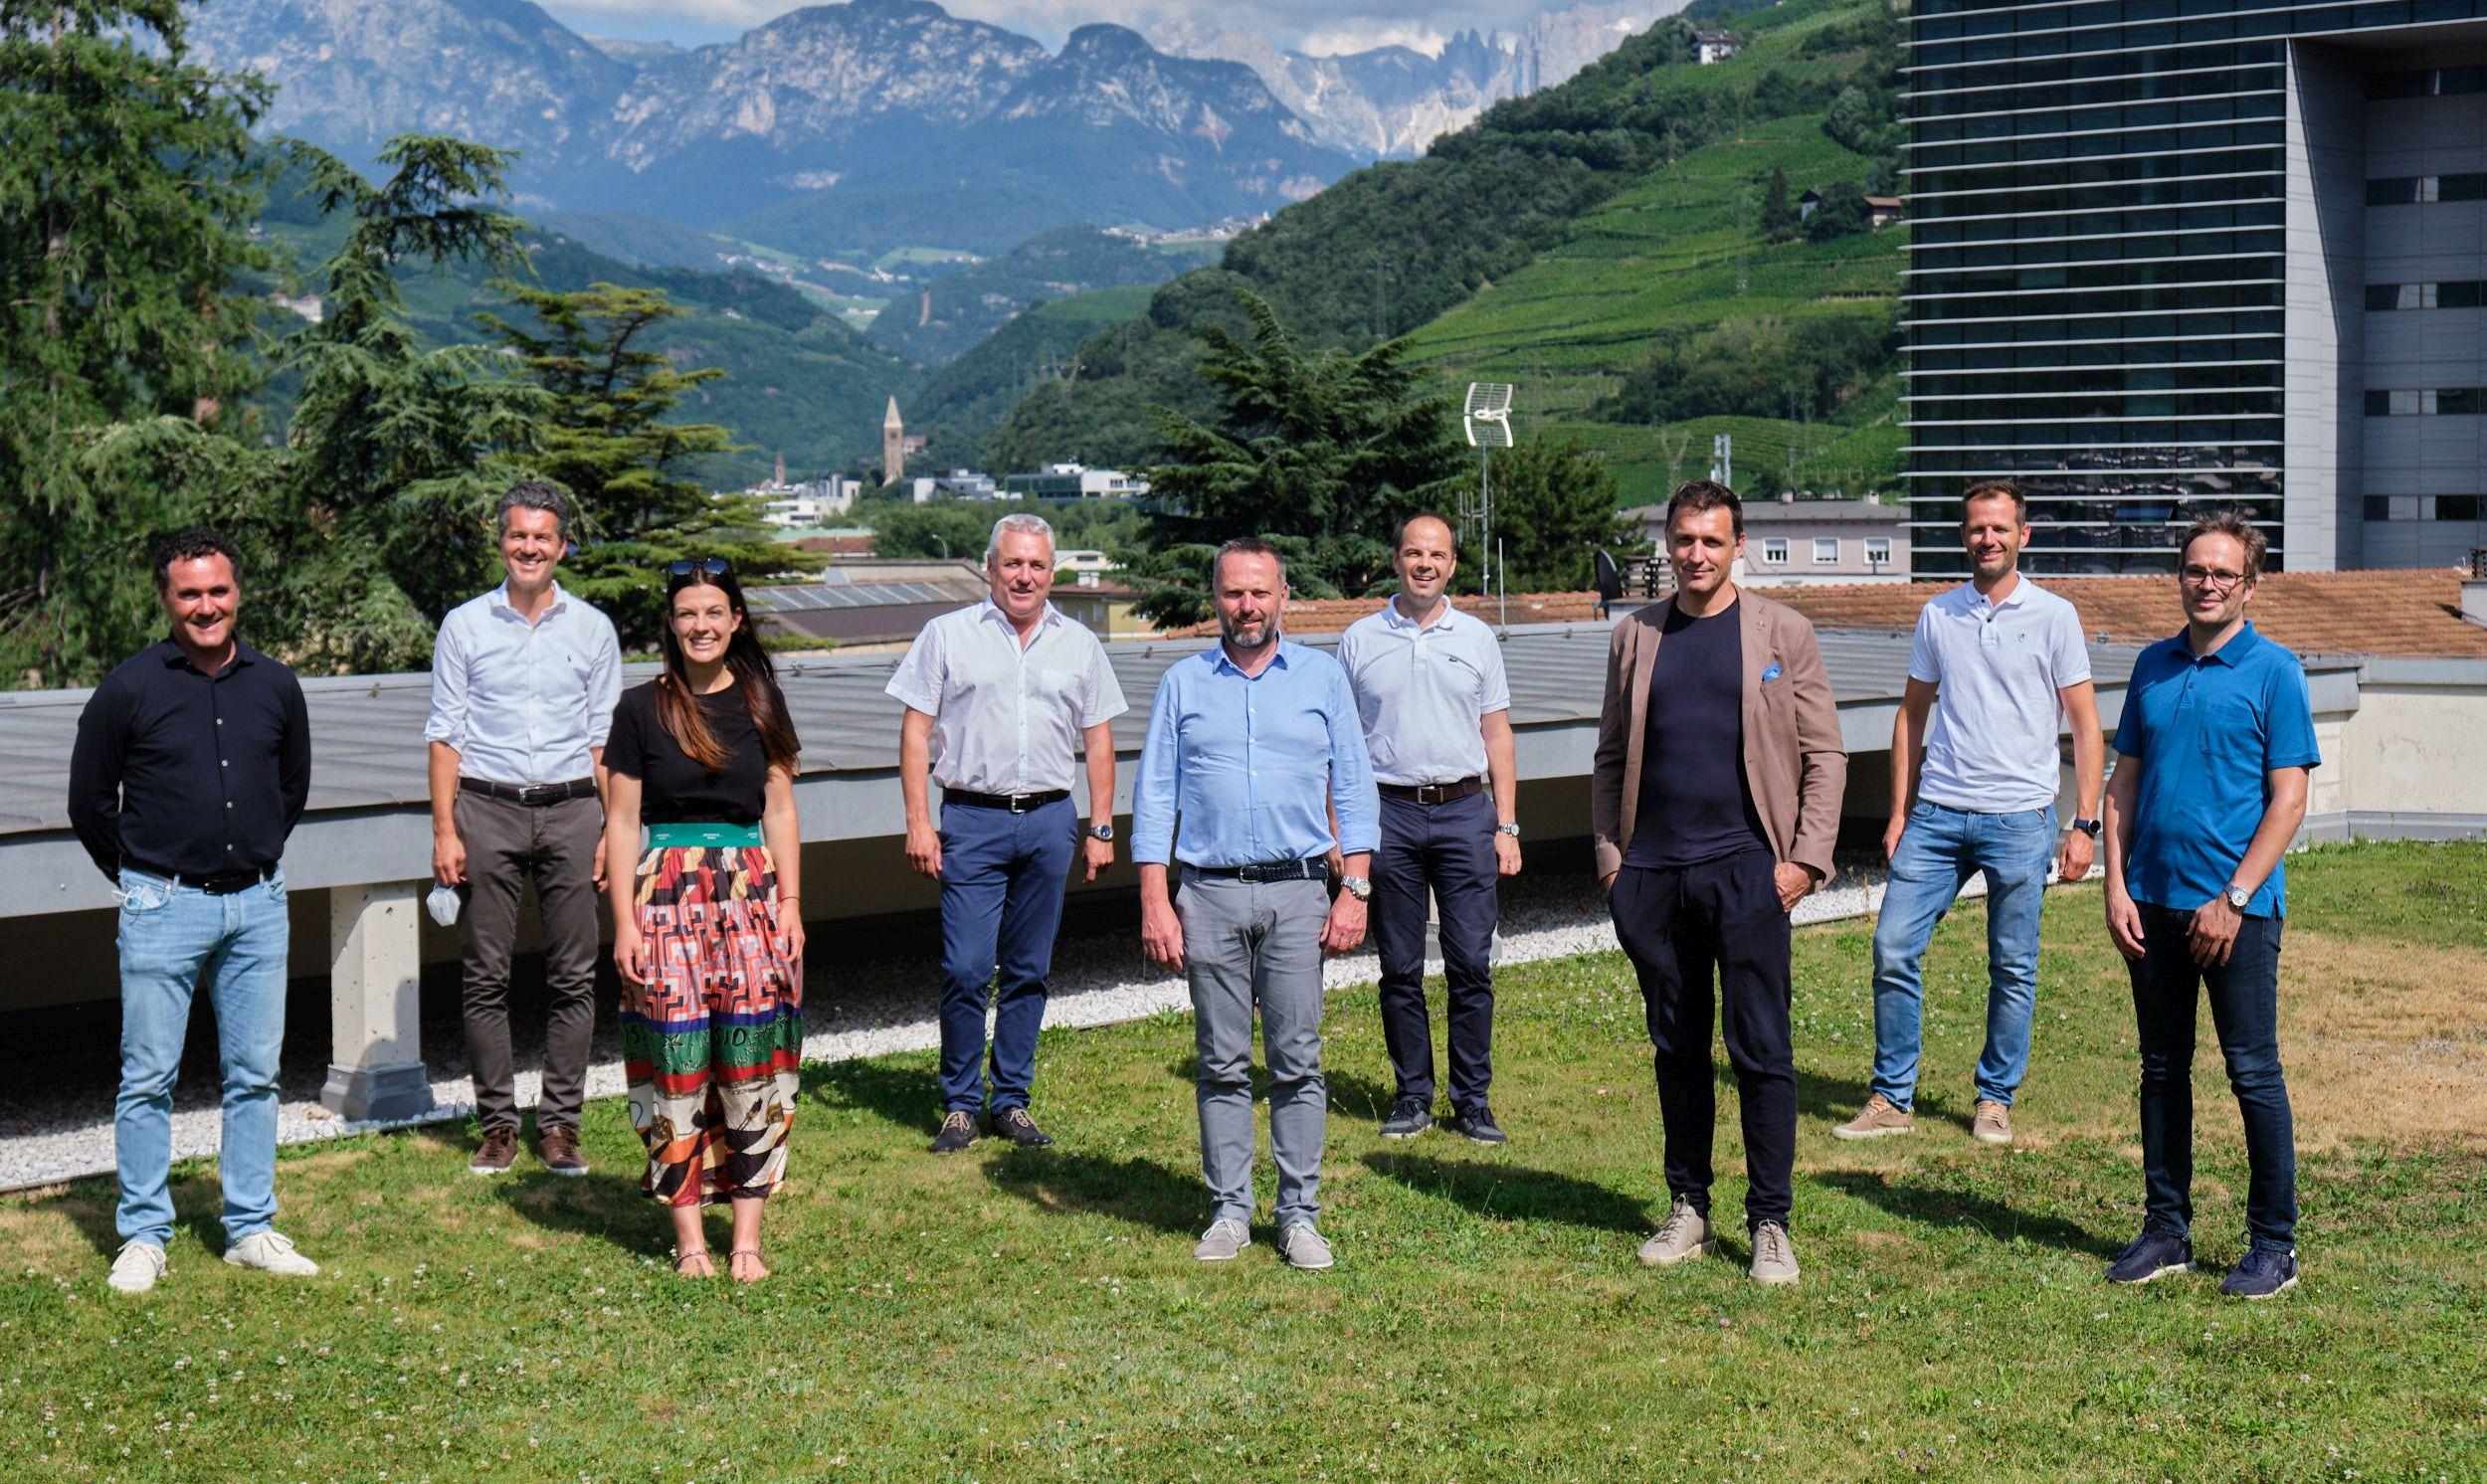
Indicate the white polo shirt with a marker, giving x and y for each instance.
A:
(1992, 747)
(1007, 719)
(1421, 693)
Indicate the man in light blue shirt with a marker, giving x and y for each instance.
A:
(1435, 707)
(1252, 748)
(524, 683)
(1996, 672)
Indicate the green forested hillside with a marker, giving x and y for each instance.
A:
(958, 406)
(934, 324)
(1567, 241)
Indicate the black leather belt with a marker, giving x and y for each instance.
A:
(221, 883)
(1432, 793)
(1018, 803)
(533, 795)
(1315, 869)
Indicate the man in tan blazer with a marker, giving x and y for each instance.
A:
(1713, 808)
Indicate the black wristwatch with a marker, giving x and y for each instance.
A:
(2087, 827)
(1103, 832)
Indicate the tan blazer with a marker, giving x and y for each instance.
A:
(1794, 762)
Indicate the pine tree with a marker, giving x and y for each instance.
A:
(127, 186)
(1555, 503)
(1778, 220)
(1323, 453)
(607, 441)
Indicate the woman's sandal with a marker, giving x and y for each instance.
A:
(751, 1252)
(682, 1257)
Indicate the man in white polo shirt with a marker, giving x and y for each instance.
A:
(1435, 706)
(1001, 700)
(1999, 667)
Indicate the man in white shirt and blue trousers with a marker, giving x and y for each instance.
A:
(1434, 704)
(1002, 699)
(524, 683)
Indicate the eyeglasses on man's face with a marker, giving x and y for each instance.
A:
(2216, 579)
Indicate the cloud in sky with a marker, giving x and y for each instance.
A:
(1307, 25)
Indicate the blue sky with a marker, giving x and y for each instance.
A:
(1319, 26)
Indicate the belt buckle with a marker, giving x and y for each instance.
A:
(1017, 803)
(536, 793)
(1431, 793)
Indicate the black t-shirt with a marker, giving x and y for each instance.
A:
(676, 788)
(1694, 806)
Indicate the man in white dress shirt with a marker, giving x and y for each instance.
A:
(524, 683)
(1435, 706)
(1001, 700)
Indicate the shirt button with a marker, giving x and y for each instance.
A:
(228, 803)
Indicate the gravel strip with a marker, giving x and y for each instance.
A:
(855, 1008)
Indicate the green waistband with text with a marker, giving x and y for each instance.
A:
(682, 835)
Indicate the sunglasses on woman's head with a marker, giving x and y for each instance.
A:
(705, 565)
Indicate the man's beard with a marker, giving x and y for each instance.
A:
(1246, 634)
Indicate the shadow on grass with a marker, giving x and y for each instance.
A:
(910, 1099)
(1935, 1206)
(1837, 1099)
(1141, 1191)
(1351, 1095)
(93, 1208)
(1514, 1192)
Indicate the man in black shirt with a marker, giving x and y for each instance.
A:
(1714, 804)
(191, 767)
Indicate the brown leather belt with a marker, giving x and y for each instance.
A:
(1433, 793)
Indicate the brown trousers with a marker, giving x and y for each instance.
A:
(509, 845)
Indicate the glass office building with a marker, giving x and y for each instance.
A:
(2169, 255)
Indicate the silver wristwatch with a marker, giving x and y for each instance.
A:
(1357, 886)
(1512, 830)
(1101, 831)
(2237, 896)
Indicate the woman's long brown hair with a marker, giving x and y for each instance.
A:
(747, 661)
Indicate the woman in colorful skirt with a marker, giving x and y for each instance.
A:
(708, 932)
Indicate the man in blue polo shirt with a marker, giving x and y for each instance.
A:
(2212, 757)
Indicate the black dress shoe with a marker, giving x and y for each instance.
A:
(1475, 1123)
(1015, 1125)
(958, 1130)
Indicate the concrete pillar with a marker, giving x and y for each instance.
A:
(375, 1065)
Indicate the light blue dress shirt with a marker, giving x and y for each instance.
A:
(1243, 769)
(524, 703)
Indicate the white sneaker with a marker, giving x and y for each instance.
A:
(271, 1252)
(136, 1267)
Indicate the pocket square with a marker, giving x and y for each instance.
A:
(1770, 671)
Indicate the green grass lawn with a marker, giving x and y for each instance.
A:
(1010, 1315)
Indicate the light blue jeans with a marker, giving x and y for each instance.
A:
(175, 940)
(1939, 852)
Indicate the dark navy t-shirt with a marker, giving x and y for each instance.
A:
(1693, 805)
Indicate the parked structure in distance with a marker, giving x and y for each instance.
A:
(1076, 481)
(1791, 542)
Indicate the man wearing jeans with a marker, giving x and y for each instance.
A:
(2212, 756)
(1001, 700)
(191, 767)
(1252, 750)
(524, 683)
(1998, 662)
(1437, 714)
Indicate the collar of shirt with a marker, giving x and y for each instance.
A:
(501, 603)
(990, 612)
(1977, 602)
(178, 658)
(1392, 616)
(2240, 647)
(1219, 660)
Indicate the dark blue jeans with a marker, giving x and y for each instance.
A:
(1002, 881)
(1446, 851)
(2244, 1012)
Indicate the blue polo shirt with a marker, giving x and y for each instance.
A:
(2208, 731)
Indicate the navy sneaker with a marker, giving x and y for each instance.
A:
(1408, 1118)
(2153, 1254)
(2260, 1274)
(1475, 1123)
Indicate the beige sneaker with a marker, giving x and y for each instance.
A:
(1773, 1259)
(1992, 1123)
(1684, 1234)
(271, 1252)
(1878, 1117)
(136, 1267)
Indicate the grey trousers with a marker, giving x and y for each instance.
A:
(1250, 944)
(508, 844)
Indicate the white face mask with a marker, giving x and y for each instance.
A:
(442, 903)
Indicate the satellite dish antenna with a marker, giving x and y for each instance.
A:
(1609, 578)
(1486, 419)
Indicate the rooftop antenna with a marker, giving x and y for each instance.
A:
(1486, 419)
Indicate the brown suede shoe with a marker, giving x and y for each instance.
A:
(1992, 1123)
(500, 1146)
(1879, 1117)
(559, 1149)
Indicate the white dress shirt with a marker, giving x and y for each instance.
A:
(1007, 717)
(1422, 692)
(523, 703)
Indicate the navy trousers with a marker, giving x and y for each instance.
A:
(1002, 881)
(1447, 850)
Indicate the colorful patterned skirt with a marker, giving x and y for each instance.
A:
(712, 1040)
